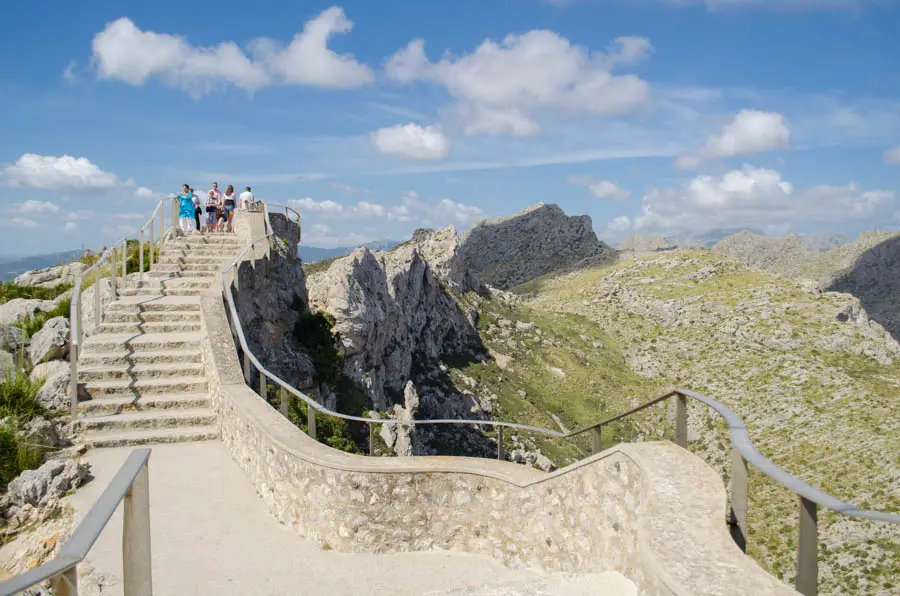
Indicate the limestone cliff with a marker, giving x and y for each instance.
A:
(539, 240)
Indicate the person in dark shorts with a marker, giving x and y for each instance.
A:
(229, 202)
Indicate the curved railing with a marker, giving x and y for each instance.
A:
(131, 484)
(743, 449)
(115, 256)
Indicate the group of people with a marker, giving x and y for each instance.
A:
(218, 207)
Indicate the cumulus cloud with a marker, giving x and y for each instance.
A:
(124, 52)
(142, 192)
(18, 222)
(36, 208)
(756, 198)
(66, 173)
(70, 226)
(892, 156)
(413, 208)
(332, 209)
(412, 141)
(602, 189)
(499, 86)
(751, 131)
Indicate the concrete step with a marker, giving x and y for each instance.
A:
(180, 256)
(150, 436)
(154, 303)
(141, 387)
(207, 239)
(114, 342)
(139, 371)
(156, 291)
(179, 274)
(150, 327)
(181, 282)
(122, 358)
(116, 405)
(153, 316)
(154, 419)
(183, 267)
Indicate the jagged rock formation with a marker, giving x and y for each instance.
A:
(393, 310)
(51, 277)
(539, 240)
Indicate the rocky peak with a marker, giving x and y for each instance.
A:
(539, 240)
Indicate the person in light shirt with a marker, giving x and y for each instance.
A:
(247, 200)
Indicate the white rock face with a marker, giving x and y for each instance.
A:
(51, 481)
(391, 308)
(55, 392)
(12, 338)
(45, 370)
(51, 342)
(51, 277)
(19, 309)
(400, 437)
(7, 363)
(542, 239)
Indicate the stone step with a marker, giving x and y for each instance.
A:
(150, 327)
(154, 419)
(179, 274)
(181, 282)
(168, 258)
(154, 303)
(139, 371)
(126, 358)
(182, 267)
(141, 387)
(113, 342)
(153, 316)
(150, 436)
(155, 291)
(116, 405)
(207, 239)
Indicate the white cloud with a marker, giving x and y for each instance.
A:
(413, 209)
(892, 156)
(758, 198)
(36, 208)
(70, 226)
(18, 222)
(124, 52)
(499, 85)
(751, 131)
(332, 209)
(64, 173)
(602, 189)
(412, 142)
(143, 192)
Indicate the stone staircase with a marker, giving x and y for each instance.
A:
(142, 367)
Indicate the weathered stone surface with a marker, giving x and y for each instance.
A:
(55, 392)
(51, 342)
(45, 370)
(51, 481)
(51, 277)
(539, 240)
(40, 432)
(7, 364)
(12, 338)
(19, 309)
(610, 583)
(399, 437)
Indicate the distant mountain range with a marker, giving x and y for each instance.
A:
(10, 267)
(310, 254)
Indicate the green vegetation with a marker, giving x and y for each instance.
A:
(318, 266)
(12, 291)
(18, 405)
(31, 325)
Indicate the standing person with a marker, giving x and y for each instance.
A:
(247, 201)
(196, 200)
(186, 209)
(212, 216)
(229, 202)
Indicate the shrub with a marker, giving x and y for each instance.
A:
(18, 405)
(12, 291)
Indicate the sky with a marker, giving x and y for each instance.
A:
(373, 119)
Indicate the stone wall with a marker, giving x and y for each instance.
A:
(651, 511)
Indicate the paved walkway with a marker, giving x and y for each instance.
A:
(212, 535)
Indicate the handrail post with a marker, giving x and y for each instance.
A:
(65, 584)
(124, 260)
(137, 571)
(501, 454)
(112, 269)
(263, 392)
(310, 421)
(371, 438)
(74, 342)
(162, 225)
(97, 307)
(284, 403)
(141, 255)
(596, 439)
(150, 256)
(681, 421)
(807, 549)
(738, 521)
(246, 367)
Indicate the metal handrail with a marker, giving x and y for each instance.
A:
(108, 256)
(131, 484)
(743, 449)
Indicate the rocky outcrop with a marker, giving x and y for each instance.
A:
(391, 310)
(12, 339)
(19, 309)
(7, 364)
(51, 481)
(51, 342)
(51, 277)
(399, 437)
(48, 369)
(644, 244)
(55, 392)
(540, 240)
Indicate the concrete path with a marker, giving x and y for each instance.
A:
(212, 535)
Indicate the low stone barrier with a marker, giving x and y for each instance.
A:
(651, 511)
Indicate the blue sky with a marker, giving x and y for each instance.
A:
(651, 116)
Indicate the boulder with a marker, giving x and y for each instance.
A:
(534, 459)
(51, 342)
(40, 432)
(45, 370)
(51, 481)
(19, 309)
(12, 338)
(55, 392)
(400, 437)
(7, 363)
(51, 277)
